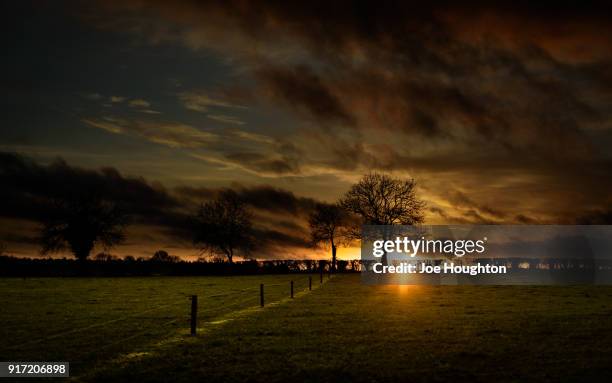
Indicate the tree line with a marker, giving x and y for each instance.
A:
(223, 227)
(104, 265)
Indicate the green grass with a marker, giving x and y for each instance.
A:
(89, 321)
(343, 331)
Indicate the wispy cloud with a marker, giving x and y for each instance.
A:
(200, 101)
(506, 101)
(254, 137)
(116, 99)
(226, 119)
(172, 134)
(108, 124)
(139, 103)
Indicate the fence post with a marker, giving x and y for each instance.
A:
(261, 295)
(194, 314)
(321, 272)
(291, 289)
(309, 283)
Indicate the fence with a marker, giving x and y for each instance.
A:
(157, 317)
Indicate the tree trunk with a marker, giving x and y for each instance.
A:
(81, 248)
(81, 257)
(333, 268)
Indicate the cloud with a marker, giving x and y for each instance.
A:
(507, 102)
(226, 119)
(231, 148)
(460, 200)
(172, 134)
(200, 101)
(93, 96)
(253, 137)
(116, 99)
(29, 186)
(276, 200)
(303, 89)
(407, 69)
(139, 103)
(108, 124)
(265, 198)
(253, 153)
(601, 216)
(560, 30)
(263, 163)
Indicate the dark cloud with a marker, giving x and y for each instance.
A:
(504, 99)
(523, 219)
(461, 200)
(438, 70)
(266, 198)
(279, 242)
(277, 200)
(596, 217)
(455, 220)
(28, 187)
(303, 89)
(265, 163)
(501, 109)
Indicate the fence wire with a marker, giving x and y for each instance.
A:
(276, 291)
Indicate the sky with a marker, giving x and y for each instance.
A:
(501, 112)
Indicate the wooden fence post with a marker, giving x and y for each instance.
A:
(291, 289)
(194, 314)
(309, 283)
(321, 272)
(261, 295)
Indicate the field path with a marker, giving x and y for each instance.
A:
(353, 332)
(152, 349)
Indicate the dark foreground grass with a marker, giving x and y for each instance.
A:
(349, 332)
(91, 321)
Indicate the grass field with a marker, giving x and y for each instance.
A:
(342, 331)
(88, 321)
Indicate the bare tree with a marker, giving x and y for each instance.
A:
(378, 199)
(223, 226)
(80, 224)
(327, 227)
(381, 200)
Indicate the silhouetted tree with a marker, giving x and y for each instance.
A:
(327, 227)
(381, 200)
(378, 199)
(223, 226)
(80, 224)
(163, 256)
